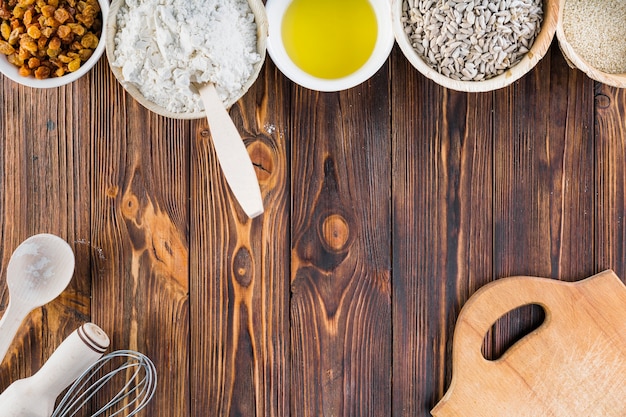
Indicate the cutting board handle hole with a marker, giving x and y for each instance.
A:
(510, 329)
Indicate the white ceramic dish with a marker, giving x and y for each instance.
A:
(11, 71)
(276, 49)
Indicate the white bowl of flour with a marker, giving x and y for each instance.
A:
(158, 50)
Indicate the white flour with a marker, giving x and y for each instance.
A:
(162, 46)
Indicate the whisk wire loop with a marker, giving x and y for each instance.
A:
(137, 390)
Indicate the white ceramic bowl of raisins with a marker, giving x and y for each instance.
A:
(50, 43)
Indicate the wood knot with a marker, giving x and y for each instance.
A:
(335, 232)
(112, 191)
(243, 267)
(603, 101)
(130, 206)
(262, 158)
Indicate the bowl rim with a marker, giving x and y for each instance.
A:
(260, 18)
(11, 71)
(576, 61)
(539, 48)
(382, 49)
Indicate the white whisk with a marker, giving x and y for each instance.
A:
(136, 377)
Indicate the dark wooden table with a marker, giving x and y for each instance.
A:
(387, 206)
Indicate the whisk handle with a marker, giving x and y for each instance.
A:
(35, 396)
(78, 352)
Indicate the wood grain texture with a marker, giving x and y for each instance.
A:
(570, 138)
(340, 277)
(139, 233)
(44, 170)
(540, 141)
(442, 243)
(610, 178)
(387, 207)
(544, 159)
(239, 267)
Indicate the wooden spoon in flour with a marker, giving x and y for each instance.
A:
(231, 152)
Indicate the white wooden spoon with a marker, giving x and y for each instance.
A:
(231, 153)
(38, 271)
(230, 149)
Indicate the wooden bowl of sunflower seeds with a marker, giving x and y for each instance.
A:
(475, 45)
(592, 37)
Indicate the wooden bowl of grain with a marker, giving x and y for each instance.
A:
(592, 37)
(477, 45)
(161, 50)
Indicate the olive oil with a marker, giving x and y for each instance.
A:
(329, 38)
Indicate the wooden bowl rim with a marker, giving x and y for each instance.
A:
(576, 61)
(537, 51)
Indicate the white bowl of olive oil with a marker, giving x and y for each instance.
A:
(329, 45)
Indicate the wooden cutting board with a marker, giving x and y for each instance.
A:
(574, 364)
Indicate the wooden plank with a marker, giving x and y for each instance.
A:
(239, 267)
(442, 205)
(140, 213)
(543, 161)
(340, 271)
(610, 180)
(571, 142)
(44, 161)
